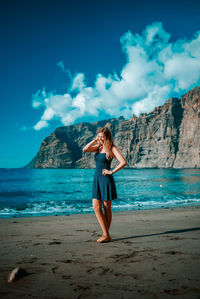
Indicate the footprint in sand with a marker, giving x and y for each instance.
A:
(94, 234)
(28, 261)
(54, 243)
(81, 288)
(175, 291)
(121, 257)
(103, 270)
(173, 252)
(65, 261)
(91, 269)
(54, 269)
(69, 261)
(127, 242)
(66, 276)
(133, 275)
(173, 279)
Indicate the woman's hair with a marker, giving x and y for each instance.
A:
(108, 141)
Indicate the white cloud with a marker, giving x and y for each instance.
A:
(156, 69)
(38, 97)
(176, 68)
(41, 124)
(78, 82)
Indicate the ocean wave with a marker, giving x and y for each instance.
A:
(155, 204)
(55, 208)
(45, 208)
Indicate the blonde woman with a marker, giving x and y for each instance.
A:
(104, 189)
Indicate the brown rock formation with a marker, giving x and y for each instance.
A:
(167, 137)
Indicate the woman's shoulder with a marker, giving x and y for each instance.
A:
(114, 147)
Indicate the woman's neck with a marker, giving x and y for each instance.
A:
(102, 148)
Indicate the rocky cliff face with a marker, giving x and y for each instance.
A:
(168, 137)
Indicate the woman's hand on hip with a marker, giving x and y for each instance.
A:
(106, 171)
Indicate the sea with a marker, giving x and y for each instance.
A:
(44, 192)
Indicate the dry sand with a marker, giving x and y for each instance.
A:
(153, 254)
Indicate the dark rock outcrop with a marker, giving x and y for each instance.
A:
(167, 137)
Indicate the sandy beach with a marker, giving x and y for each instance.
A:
(153, 254)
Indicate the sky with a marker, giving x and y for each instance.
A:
(66, 62)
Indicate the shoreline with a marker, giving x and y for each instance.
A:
(153, 254)
(92, 212)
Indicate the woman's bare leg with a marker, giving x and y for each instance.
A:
(108, 212)
(97, 205)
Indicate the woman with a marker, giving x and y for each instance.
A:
(104, 189)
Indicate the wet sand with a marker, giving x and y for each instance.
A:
(153, 254)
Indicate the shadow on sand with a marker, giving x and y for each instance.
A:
(158, 234)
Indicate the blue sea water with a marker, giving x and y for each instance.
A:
(39, 192)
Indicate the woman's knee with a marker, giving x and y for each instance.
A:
(97, 205)
(107, 204)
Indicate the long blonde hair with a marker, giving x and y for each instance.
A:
(108, 141)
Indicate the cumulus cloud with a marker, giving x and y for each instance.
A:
(155, 70)
(41, 124)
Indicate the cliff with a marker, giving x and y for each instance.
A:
(167, 137)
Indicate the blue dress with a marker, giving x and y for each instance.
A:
(103, 185)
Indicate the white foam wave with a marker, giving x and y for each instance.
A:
(55, 208)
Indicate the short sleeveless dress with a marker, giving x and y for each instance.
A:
(104, 187)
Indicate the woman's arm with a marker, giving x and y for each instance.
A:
(90, 147)
(120, 158)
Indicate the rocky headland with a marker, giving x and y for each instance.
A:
(167, 137)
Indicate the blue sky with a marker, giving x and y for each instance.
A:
(64, 62)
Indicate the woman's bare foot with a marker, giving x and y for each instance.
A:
(104, 238)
